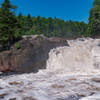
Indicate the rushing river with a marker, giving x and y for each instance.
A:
(73, 73)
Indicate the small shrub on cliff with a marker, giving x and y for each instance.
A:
(18, 45)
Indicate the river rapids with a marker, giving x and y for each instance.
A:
(72, 73)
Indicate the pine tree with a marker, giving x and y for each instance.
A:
(94, 20)
(39, 25)
(19, 18)
(29, 21)
(8, 24)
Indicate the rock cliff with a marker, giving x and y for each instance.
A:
(31, 56)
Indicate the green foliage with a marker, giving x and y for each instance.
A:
(94, 20)
(52, 27)
(18, 45)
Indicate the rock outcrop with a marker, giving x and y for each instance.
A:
(31, 56)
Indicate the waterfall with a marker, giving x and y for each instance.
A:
(81, 56)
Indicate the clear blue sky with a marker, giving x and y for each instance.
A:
(76, 10)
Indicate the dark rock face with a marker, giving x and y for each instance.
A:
(32, 55)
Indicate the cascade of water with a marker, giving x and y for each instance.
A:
(82, 56)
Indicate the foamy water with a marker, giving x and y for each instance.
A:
(73, 73)
(81, 57)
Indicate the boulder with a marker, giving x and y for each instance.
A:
(31, 56)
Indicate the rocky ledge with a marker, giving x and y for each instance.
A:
(30, 56)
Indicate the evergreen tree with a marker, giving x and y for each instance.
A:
(94, 20)
(51, 24)
(38, 20)
(29, 21)
(8, 24)
(39, 25)
(20, 18)
(22, 22)
(27, 26)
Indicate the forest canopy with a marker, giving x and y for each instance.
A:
(13, 27)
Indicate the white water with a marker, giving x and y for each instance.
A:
(80, 57)
(73, 73)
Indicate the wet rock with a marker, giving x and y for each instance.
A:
(16, 83)
(3, 95)
(29, 98)
(57, 86)
(12, 99)
(96, 79)
(1, 88)
(72, 97)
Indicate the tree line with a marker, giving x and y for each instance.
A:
(51, 27)
(13, 27)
